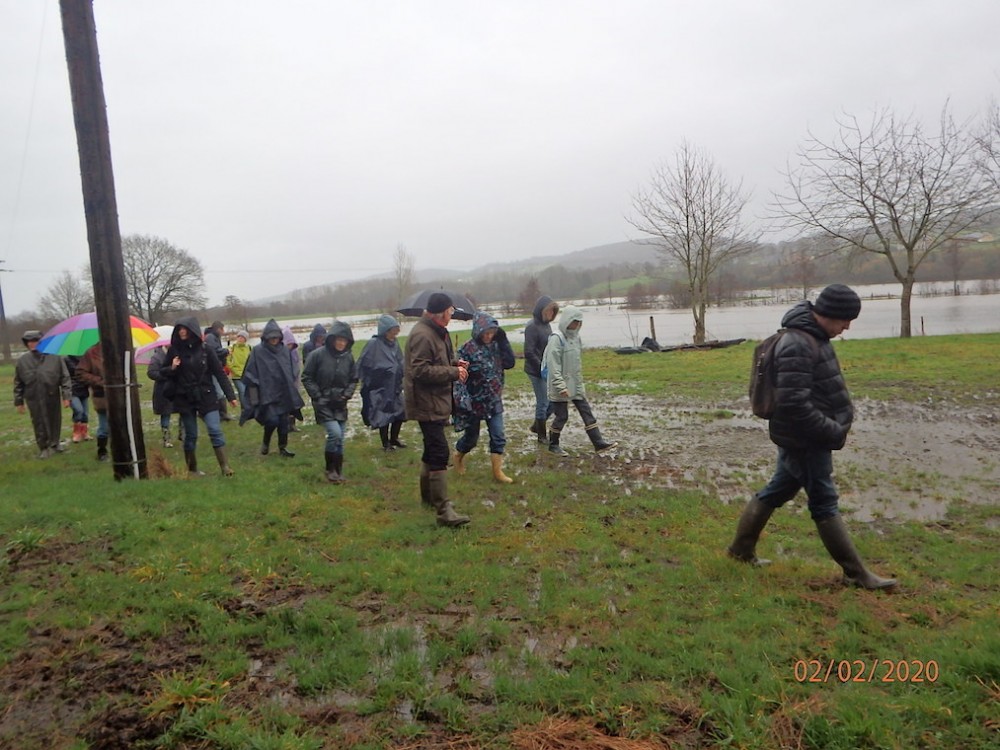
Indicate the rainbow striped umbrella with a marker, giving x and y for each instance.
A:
(77, 334)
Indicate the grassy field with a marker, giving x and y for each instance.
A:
(271, 610)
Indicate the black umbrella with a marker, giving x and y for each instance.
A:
(415, 305)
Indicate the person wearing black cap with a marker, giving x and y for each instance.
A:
(812, 417)
(430, 368)
(41, 381)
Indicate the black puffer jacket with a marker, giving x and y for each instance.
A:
(189, 387)
(814, 409)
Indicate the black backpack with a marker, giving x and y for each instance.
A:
(763, 378)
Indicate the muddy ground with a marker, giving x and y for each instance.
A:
(902, 461)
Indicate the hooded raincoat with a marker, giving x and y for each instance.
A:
(380, 368)
(536, 335)
(269, 377)
(189, 386)
(331, 377)
(481, 395)
(564, 359)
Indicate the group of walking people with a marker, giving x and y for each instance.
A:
(436, 387)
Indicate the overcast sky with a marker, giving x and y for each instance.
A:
(293, 143)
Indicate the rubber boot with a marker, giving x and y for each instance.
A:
(265, 444)
(331, 468)
(220, 456)
(283, 447)
(600, 444)
(438, 490)
(166, 438)
(84, 434)
(76, 432)
(459, 461)
(425, 486)
(224, 410)
(383, 433)
(753, 520)
(837, 540)
(338, 466)
(540, 431)
(394, 440)
(554, 446)
(102, 449)
(191, 459)
(497, 460)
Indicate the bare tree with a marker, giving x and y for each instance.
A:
(988, 140)
(69, 295)
(692, 214)
(402, 272)
(161, 278)
(888, 187)
(800, 266)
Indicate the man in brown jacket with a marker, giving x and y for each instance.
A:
(430, 369)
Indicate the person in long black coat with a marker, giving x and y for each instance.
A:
(190, 367)
(271, 392)
(380, 368)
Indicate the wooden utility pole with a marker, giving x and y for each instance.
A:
(128, 450)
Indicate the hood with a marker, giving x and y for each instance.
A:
(271, 328)
(801, 317)
(481, 323)
(287, 337)
(567, 316)
(385, 324)
(543, 302)
(339, 328)
(191, 323)
(318, 332)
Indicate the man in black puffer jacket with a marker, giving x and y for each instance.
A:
(812, 417)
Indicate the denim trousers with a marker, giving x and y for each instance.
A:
(810, 470)
(79, 406)
(213, 424)
(541, 389)
(494, 425)
(334, 436)
(102, 423)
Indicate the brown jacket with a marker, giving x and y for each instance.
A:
(430, 369)
(90, 370)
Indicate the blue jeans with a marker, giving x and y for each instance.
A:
(241, 392)
(335, 436)
(79, 406)
(164, 421)
(212, 423)
(809, 470)
(469, 439)
(541, 389)
(102, 424)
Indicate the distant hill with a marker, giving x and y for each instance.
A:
(591, 257)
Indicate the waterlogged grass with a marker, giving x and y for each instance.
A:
(272, 610)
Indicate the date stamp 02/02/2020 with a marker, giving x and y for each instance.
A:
(865, 670)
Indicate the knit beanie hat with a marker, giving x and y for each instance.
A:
(838, 302)
(438, 303)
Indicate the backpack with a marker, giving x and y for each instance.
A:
(763, 378)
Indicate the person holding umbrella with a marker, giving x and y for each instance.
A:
(429, 371)
(190, 367)
(41, 381)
